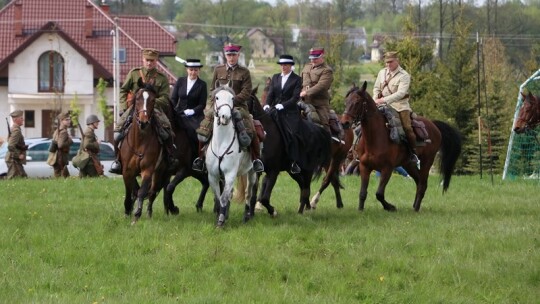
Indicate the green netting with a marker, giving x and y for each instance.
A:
(523, 156)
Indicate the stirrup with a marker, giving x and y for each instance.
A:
(258, 165)
(295, 169)
(198, 164)
(116, 167)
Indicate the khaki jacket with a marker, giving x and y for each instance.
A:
(241, 82)
(160, 83)
(396, 93)
(64, 142)
(317, 80)
(16, 146)
(90, 143)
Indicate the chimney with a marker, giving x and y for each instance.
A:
(18, 26)
(105, 7)
(88, 21)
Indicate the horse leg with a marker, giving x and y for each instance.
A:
(304, 182)
(251, 187)
(324, 185)
(141, 195)
(421, 186)
(269, 181)
(202, 194)
(364, 178)
(225, 198)
(386, 173)
(337, 186)
(168, 192)
(128, 198)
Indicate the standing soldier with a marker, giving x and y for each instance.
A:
(240, 80)
(16, 154)
(90, 144)
(149, 75)
(63, 140)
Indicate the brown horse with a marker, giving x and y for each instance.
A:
(141, 154)
(378, 152)
(529, 114)
(333, 168)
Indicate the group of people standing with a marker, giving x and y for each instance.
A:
(58, 150)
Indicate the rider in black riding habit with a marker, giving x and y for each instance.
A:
(283, 94)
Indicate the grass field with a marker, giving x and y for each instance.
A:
(67, 241)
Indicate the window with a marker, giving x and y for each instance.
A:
(121, 55)
(29, 119)
(51, 72)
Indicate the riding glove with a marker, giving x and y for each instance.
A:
(189, 112)
(266, 107)
(279, 107)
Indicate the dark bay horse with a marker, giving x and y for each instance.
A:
(378, 152)
(529, 114)
(186, 151)
(141, 154)
(333, 168)
(316, 151)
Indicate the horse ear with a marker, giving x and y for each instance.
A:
(364, 86)
(254, 90)
(140, 83)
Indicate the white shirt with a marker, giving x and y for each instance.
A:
(284, 79)
(190, 84)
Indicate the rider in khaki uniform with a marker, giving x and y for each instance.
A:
(392, 89)
(150, 75)
(317, 77)
(240, 81)
(16, 153)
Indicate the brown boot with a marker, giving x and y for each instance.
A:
(411, 138)
(258, 165)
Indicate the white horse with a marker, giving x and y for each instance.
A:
(224, 158)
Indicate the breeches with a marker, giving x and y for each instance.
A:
(405, 117)
(323, 111)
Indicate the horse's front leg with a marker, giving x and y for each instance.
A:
(268, 183)
(364, 178)
(326, 181)
(141, 195)
(386, 173)
(202, 194)
(249, 209)
(168, 192)
(128, 198)
(304, 182)
(225, 199)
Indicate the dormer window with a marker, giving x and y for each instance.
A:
(51, 72)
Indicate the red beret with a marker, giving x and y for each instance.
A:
(232, 48)
(316, 53)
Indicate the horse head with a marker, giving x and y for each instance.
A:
(529, 114)
(145, 100)
(224, 103)
(357, 101)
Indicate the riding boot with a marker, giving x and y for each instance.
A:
(243, 137)
(411, 138)
(198, 163)
(258, 165)
(116, 166)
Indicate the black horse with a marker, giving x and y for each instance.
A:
(315, 142)
(186, 151)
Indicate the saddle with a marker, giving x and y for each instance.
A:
(397, 134)
(310, 114)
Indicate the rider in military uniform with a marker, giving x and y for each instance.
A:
(150, 75)
(240, 81)
(16, 154)
(391, 88)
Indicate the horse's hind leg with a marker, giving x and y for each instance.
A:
(202, 194)
(251, 185)
(317, 196)
(364, 178)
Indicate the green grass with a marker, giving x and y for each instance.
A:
(67, 241)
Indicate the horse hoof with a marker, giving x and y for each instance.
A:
(258, 206)
(391, 209)
(274, 215)
(199, 209)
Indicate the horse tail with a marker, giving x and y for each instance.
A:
(450, 150)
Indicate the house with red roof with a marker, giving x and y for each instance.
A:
(53, 53)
